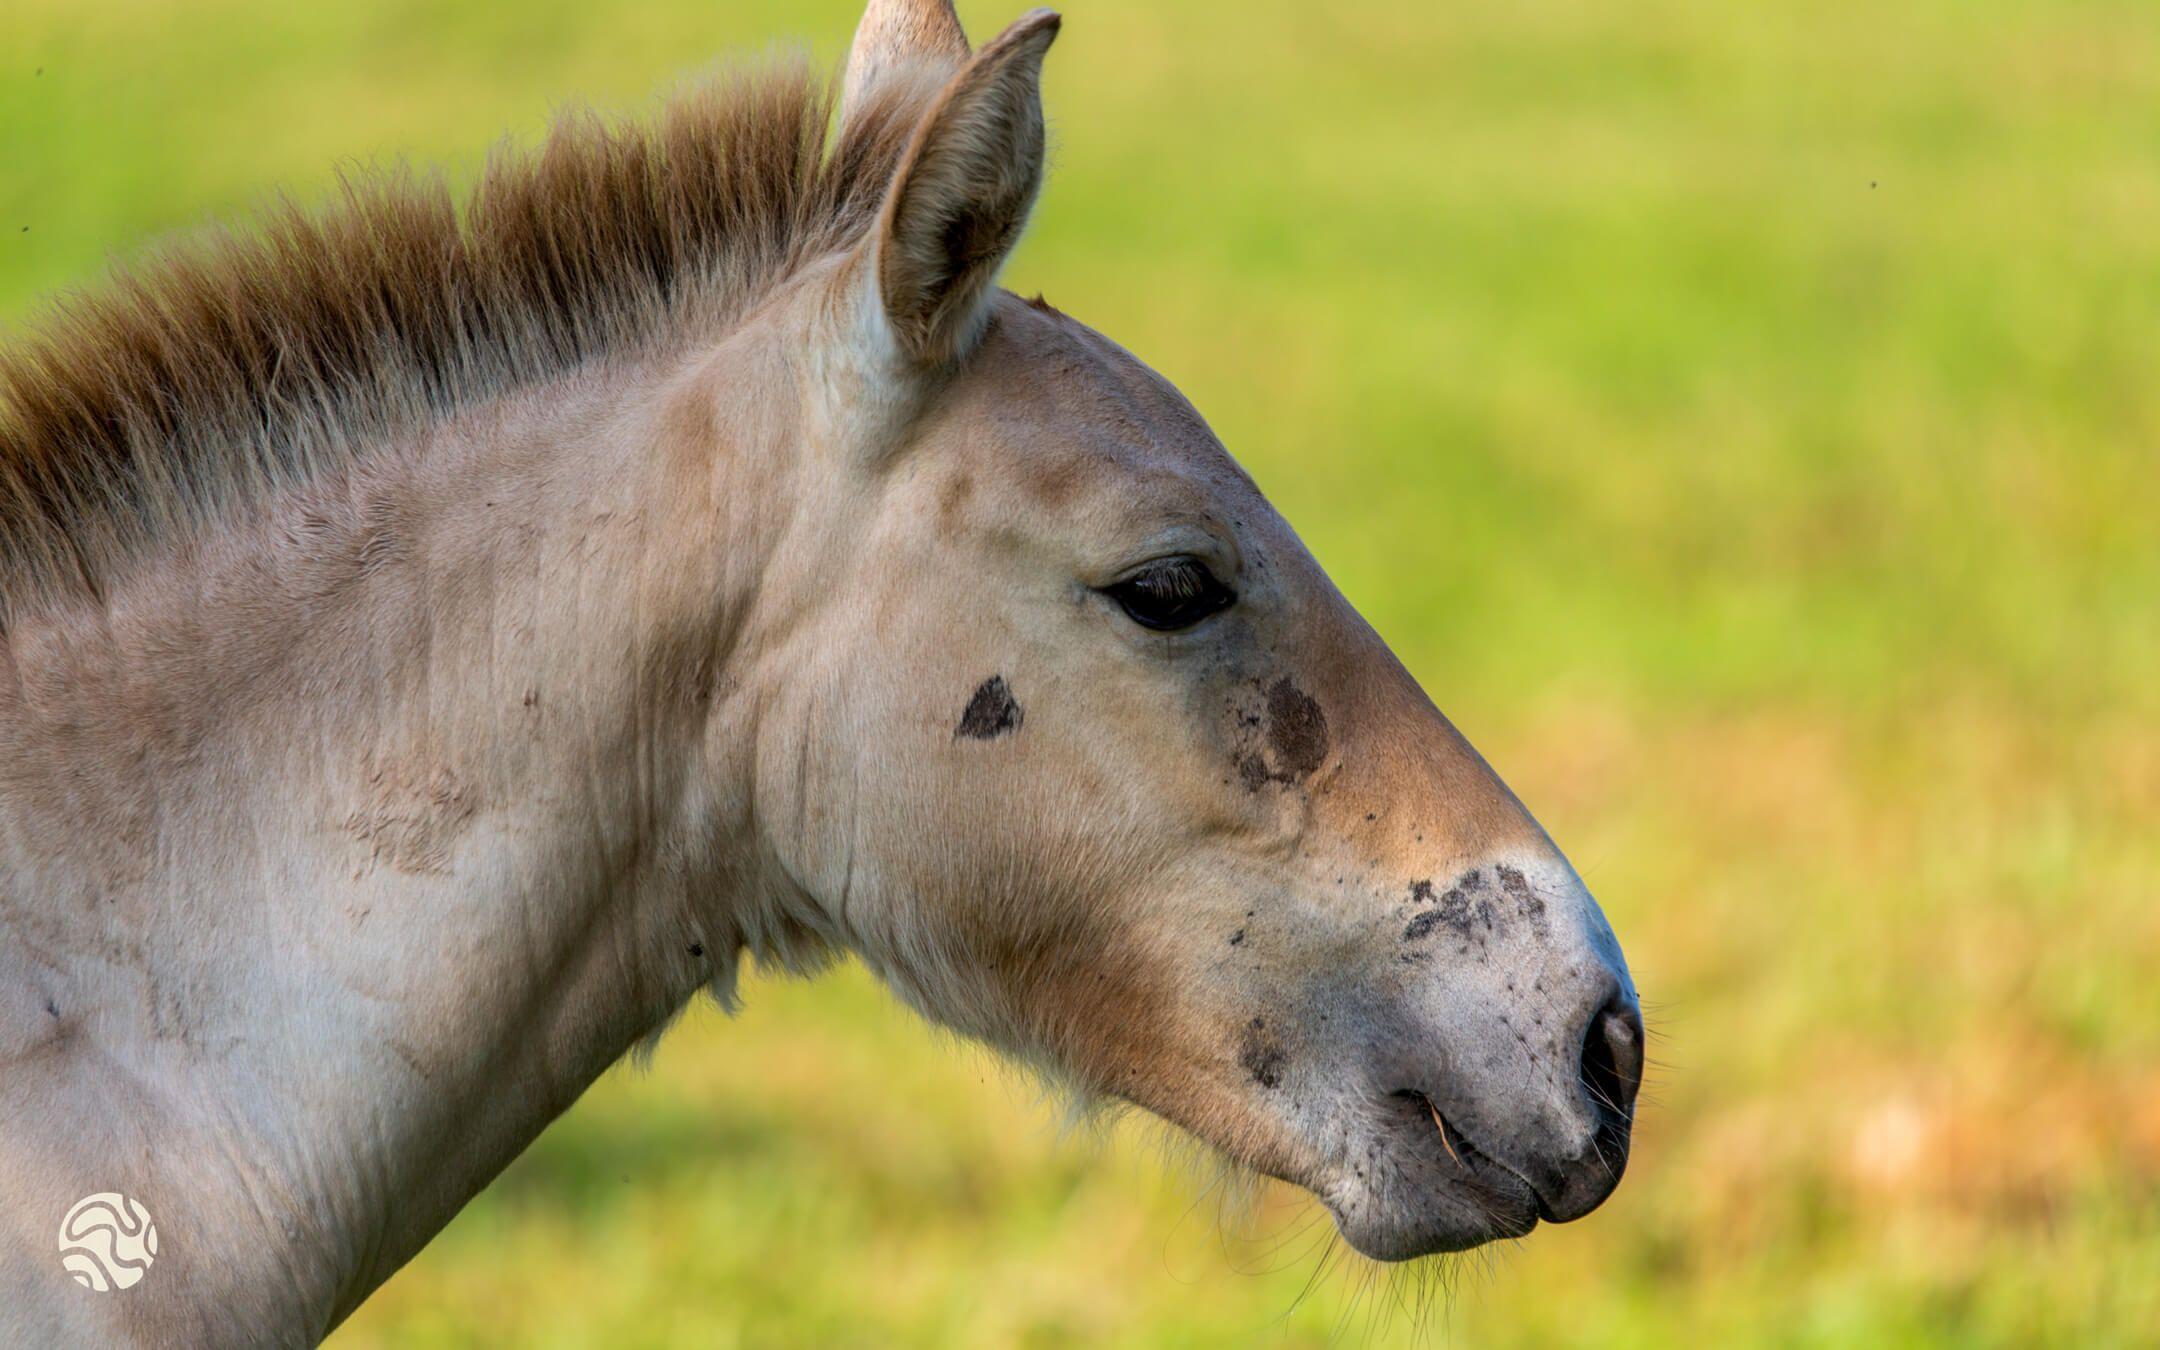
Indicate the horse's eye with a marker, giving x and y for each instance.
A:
(1170, 594)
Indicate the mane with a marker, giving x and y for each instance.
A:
(221, 368)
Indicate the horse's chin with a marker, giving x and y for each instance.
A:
(1389, 1225)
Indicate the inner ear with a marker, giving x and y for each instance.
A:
(979, 238)
(961, 197)
(935, 270)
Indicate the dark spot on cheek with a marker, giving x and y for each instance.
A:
(52, 1009)
(991, 713)
(1296, 736)
(1237, 937)
(1296, 728)
(1261, 1055)
(697, 949)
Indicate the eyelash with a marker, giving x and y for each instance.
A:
(1171, 594)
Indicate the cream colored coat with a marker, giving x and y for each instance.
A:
(344, 840)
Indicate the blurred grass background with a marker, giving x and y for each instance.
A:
(1746, 421)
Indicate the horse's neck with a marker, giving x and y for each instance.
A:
(350, 860)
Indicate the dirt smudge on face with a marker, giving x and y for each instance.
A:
(1295, 733)
(1261, 1055)
(1528, 903)
(991, 712)
(1296, 728)
(1455, 909)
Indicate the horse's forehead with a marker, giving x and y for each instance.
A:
(1061, 404)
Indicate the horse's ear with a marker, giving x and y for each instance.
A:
(902, 40)
(962, 194)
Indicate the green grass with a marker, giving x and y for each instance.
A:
(1746, 420)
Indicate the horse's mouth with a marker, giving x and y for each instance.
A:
(1420, 1186)
(1460, 1150)
(1470, 1158)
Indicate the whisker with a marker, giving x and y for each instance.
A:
(1445, 1142)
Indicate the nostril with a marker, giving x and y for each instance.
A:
(1612, 1059)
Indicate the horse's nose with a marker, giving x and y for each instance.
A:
(1608, 1076)
(1612, 1058)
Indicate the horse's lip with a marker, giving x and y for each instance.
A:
(1477, 1162)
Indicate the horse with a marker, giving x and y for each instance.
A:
(441, 634)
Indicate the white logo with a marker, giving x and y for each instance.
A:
(107, 1241)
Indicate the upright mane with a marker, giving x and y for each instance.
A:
(250, 357)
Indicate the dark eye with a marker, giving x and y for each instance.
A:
(1170, 594)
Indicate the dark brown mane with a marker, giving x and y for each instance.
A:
(250, 357)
